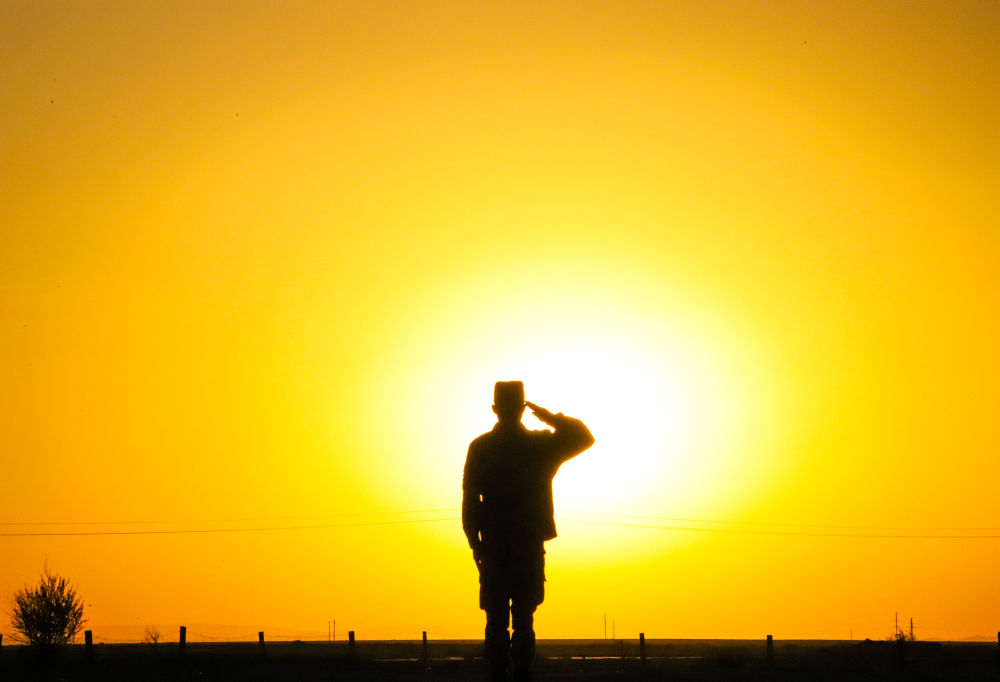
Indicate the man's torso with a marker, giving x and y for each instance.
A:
(513, 472)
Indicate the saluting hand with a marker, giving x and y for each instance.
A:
(540, 413)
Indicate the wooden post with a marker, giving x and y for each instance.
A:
(182, 639)
(88, 643)
(427, 658)
(1, 640)
(642, 647)
(260, 642)
(770, 650)
(350, 643)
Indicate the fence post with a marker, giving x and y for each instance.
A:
(427, 658)
(260, 642)
(1, 639)
(88, 643)
(182, 639)
(350, 644)
(770, 650)
(642, 647)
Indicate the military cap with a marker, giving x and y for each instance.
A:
(508, 393)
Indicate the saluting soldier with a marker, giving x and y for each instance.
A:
(507, 515)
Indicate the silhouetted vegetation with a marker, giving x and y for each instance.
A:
(901, 635)
(47, 614)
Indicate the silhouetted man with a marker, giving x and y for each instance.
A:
(507, 516)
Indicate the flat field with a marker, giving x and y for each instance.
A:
(677, 659)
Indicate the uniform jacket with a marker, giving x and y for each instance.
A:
(507, 482)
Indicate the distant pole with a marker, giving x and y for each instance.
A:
(334, 629)
(260, 642)
(427, 658)
(88, 641)
(182, 639)
(642, 647)
(606, 626)
(912, 638)
(770, 650)
(328, 631)
(350, 643)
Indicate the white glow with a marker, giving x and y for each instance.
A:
(665, 413)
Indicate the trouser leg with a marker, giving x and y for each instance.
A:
(522, 647)
(497, 649)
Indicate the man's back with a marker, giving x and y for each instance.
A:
(512, 472)
(507, 485)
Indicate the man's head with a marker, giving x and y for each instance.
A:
(508, 401)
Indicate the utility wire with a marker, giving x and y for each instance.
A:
(801, 525)
(620, 524)
(227, 520)
(183, 531)
(677, 519)
(748, 527)
(748, 531)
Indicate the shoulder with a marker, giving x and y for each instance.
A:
(480, 443)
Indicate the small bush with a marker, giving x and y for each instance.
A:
(152, 636)
(48, 614)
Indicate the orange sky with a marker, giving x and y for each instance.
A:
(267, 263)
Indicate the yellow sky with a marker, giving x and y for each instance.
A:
(267, 261)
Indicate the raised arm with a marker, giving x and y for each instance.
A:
(571, 436)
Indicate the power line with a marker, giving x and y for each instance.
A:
(749, 531)
(678, 519)
(227, 520)
(748, 527)
(183, 531)
(922, 529)
(621, 524)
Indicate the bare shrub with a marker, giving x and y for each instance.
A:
(49, 613)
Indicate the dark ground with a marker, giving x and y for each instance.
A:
(590, 660)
